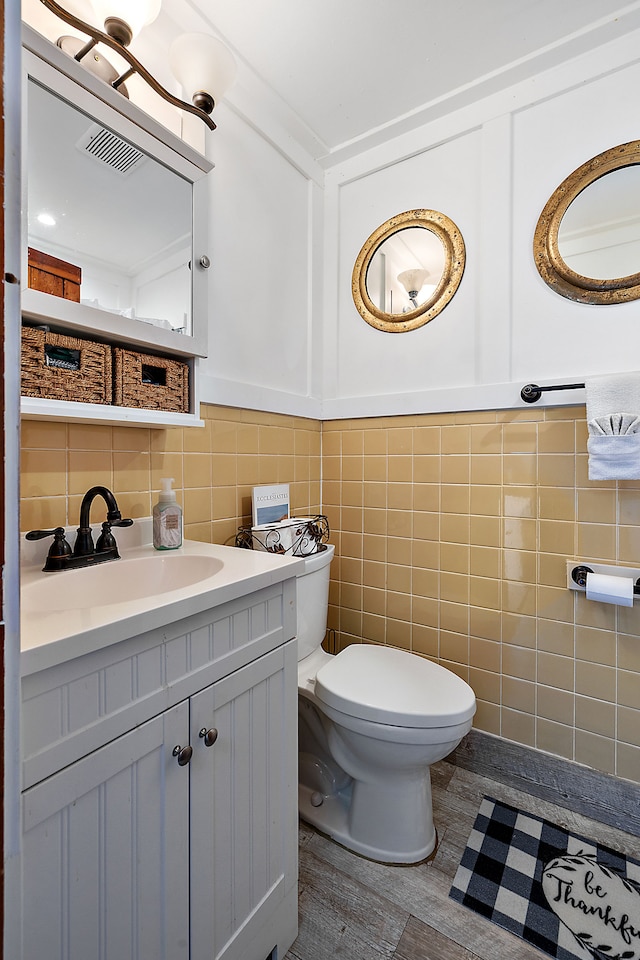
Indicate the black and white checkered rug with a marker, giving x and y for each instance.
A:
(570, 897)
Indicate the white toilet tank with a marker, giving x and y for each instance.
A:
(313, 601)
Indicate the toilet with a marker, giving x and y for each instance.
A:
(371, 720)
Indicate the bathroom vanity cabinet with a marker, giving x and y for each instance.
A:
(130, 203)
(160, 801)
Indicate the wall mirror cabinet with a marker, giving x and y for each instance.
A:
(587, 241)
(120, 203)
(408, 270)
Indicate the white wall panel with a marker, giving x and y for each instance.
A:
(260, 283)
(491, 169)
(554, 337)
(446, 179)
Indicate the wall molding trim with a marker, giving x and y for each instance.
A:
(481, 396)
(551, 72)
(597, 795)
(499, 396)
(228, 393)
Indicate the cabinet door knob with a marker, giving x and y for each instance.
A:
(209, 736)
(183, 754)
(205, 262)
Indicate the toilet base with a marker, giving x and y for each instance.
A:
(332, 815)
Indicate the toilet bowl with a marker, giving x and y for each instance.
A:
(372, 720)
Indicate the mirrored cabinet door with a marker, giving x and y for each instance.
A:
(120, 219)
(114, 217)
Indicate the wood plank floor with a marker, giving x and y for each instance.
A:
(352, 908)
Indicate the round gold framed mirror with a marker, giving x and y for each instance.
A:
(587, 241)
(408, 270)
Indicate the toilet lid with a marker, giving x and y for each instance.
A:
(392, 686)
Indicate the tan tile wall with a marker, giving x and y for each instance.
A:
(214, 468)
(452, 533)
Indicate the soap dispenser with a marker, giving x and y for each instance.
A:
(167, 518)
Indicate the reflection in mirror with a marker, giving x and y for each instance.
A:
(98, 203)
(599, 235)
(409, 262)
(587, 240)
(408, 270)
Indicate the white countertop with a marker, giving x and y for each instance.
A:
(50, 637)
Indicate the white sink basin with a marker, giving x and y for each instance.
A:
(67, 613)
(117, 581)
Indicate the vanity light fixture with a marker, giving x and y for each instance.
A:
(200, 62)
(413, 282)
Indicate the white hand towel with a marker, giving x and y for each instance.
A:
(615, 424)
(614, 435)
(613, 394)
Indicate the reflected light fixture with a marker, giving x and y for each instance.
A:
(200, 63)
(46, 219)
(413, 281)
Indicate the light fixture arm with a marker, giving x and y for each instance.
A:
(97, 36)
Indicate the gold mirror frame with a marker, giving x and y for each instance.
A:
(551, 267)
(454, 263)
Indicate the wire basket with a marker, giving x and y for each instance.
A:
(297, 537)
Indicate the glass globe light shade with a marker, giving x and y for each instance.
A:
(200, 62)
(136, 13)
(413, 280)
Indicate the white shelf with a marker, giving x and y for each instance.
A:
(78, 320)
(33, 408)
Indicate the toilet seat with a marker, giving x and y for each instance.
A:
(389, 686)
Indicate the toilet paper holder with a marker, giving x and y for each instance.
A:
(578, 574)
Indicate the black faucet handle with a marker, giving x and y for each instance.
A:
(59, 550)
(41, 534)
(106, 540)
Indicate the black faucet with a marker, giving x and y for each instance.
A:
(84, 553)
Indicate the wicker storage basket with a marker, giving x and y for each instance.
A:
(155, 383)
(55, 367)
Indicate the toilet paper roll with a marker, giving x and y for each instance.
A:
(618, 590)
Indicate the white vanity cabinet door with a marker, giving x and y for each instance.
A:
(106, 851)
(244, 811)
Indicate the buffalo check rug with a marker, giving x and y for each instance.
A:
(568, 896)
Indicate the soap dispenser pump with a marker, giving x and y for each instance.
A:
(167, 518)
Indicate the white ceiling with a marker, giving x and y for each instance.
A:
(349, 68)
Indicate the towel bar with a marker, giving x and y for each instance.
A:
(531, 392)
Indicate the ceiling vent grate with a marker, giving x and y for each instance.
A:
(106, 147)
